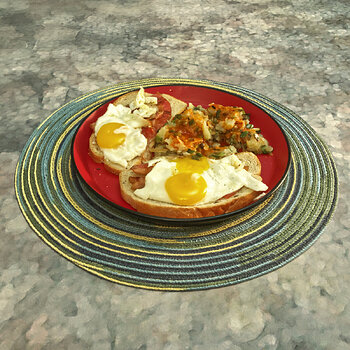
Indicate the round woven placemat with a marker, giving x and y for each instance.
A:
(120, 247)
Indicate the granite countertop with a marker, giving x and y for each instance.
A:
(296, 53)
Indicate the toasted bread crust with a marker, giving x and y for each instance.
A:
(126, 99)
(240, 199)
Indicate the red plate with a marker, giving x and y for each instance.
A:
(274, 166)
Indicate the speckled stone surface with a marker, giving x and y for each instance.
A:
(296, 53)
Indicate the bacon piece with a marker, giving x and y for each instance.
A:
(164, 112)
(162, 103)
(141, 169)
(137, 182)
(159, 119)
(229, 195)
(149, 132)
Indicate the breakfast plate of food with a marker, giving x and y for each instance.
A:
(181, 152)
(176, 184)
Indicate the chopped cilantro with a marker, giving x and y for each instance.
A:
(197, 156)
(218, 155)
(158, 139)
(232, 140)
(264, 149)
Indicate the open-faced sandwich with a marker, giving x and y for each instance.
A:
(177, 160)
(183, 187)
(122, 136)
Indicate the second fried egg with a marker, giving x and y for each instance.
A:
(185, 181)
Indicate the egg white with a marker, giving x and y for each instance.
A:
(224, 176)
(133, 119)
(135, 143)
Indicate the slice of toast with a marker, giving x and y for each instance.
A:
(238, 200)
(96, 153)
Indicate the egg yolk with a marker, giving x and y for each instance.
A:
(189, 165)
(107, 136)
(187, 187)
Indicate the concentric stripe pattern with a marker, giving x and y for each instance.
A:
(113, 244)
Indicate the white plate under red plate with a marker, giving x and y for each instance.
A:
(274, 166)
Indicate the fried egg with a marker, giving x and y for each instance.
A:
(119, 131)
(187, 181)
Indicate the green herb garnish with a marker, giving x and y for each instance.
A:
(158, 139)
(197, 156)
(218, 155)
(264, 149)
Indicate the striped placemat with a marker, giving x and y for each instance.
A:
(120, 247)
